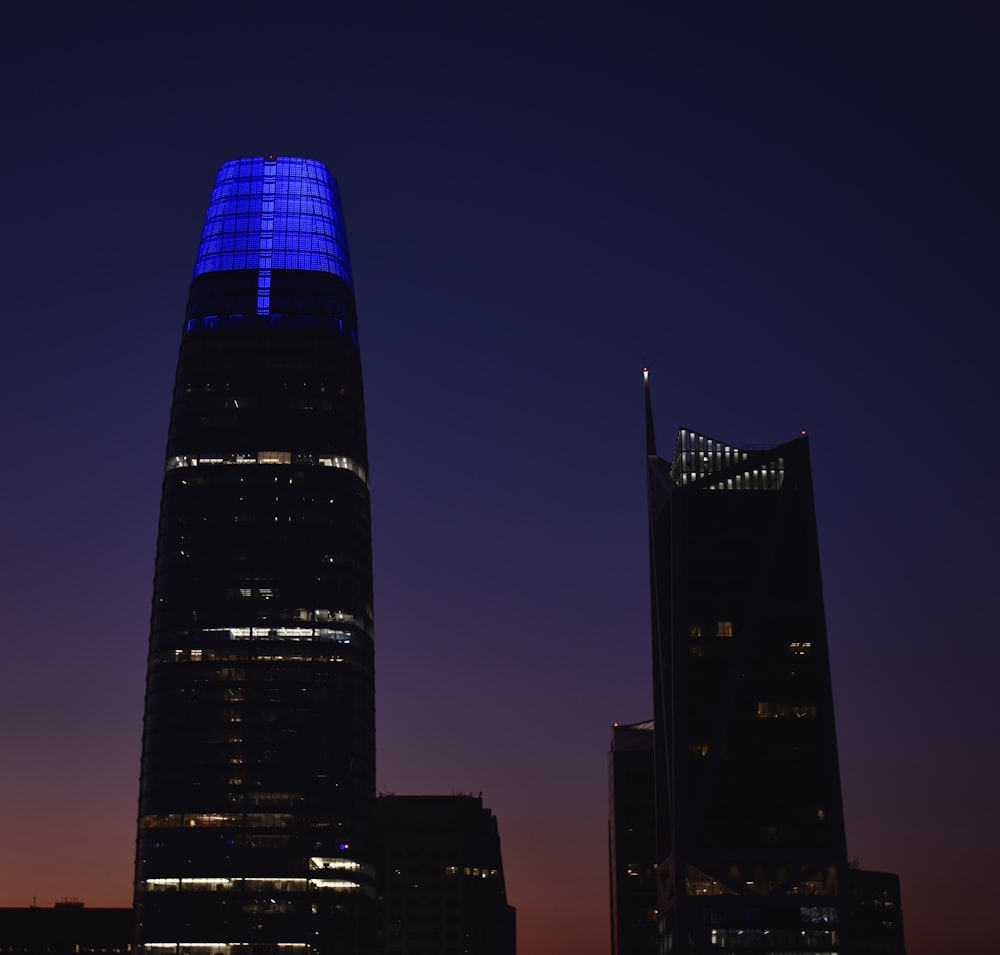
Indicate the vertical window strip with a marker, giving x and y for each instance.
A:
(266, 237)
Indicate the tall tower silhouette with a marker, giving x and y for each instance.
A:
(750, 829)
(258, 757)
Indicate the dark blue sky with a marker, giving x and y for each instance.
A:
(789, 213)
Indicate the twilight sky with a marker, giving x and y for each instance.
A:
(788, 210)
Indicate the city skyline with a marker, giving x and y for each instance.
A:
(788, 214)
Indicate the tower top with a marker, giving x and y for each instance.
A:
(274, 212)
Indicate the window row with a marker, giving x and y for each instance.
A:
(247, 820)
(268, 457)
(723, 628)
(766, 710)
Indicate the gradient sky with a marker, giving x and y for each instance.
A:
(788, 210)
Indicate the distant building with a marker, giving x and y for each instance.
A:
(875, 911)
(632, 840)
(750, 829)
(441, 878)
(69, 928)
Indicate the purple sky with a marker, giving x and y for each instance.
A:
(789, 213)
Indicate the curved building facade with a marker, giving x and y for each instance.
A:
(258, 756)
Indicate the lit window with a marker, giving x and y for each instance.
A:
(724, 628)
(334, 862)
(694, 630)
(212, 819)
(335, 885)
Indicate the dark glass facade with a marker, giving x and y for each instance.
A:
(258, 757)
(750, 830)
(441, 878)
(632, 840)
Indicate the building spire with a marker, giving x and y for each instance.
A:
(650, 434)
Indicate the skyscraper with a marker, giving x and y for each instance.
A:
(258, 757)
(750, 830)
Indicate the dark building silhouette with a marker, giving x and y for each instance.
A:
(875, 912)
(750, 830)
(871, 906)
(632, 840)
(258, 757)
(68, 928)
(441, 878)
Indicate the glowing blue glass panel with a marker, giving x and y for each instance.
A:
(274, 212)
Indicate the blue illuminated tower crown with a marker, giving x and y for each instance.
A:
(274, 212)
(271, 214)
(258, 768)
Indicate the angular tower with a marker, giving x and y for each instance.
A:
(750, 829)
(258, 756)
